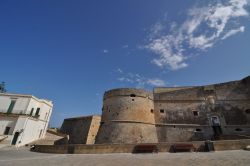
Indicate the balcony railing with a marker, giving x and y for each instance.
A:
(18, 114)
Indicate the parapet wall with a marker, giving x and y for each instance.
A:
(127, 92)
(129, 148)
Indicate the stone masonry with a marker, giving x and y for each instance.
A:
(169, 115)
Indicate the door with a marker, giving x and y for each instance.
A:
(215, 122)
(15, 138)
(6, 131)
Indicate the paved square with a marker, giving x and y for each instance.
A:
(23, 157)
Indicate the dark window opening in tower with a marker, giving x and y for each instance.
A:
(238, 129)
(195, 113)
(132, 95)
(198, 130)
(247, 111)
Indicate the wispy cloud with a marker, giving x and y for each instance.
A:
(156, 82)
(202, 29)
(125, 46)
(233, 32)
(138, 80)
(105, 51)
(119, 70)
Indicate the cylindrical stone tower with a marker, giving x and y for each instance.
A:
(127, 117)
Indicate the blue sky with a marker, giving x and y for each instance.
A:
(71, 52)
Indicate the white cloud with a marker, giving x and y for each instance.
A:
(140, 81)
(156, 82)
(119, 70)
(125, 46)
(125, 79)
(170, 53)
(201, 30)
(156, 28)
(105, 51)
(233, 32)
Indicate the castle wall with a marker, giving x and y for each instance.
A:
(230, 102)
(176, 114)
(126, 132)
(81, 130)
(127, 117)
(182, 133)
(93, 129)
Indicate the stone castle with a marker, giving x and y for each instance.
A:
(167, 114)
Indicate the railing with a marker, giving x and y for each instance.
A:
(18, 114)
(13, 111)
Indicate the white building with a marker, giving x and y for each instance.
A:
(23, 118)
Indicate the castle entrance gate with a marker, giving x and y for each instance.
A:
(216, 125)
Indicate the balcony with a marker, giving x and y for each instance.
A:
(2, 113)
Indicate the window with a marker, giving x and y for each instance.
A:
(198, 130)
(6, 131)
(132, 95)
(247, 111)
(238, 129)
(12, 104)
(195, 113)
(152, 111)
(37, 111)
(31, 112)
(161, 110)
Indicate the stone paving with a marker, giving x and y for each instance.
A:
(23, 157)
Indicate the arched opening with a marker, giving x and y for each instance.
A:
(132, 95)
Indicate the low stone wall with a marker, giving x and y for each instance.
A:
(231, 144)
(60, 149)
(128, 148)
(100, 149)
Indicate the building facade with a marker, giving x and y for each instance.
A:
(23, 118)
(219, 111)
(171, 114)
